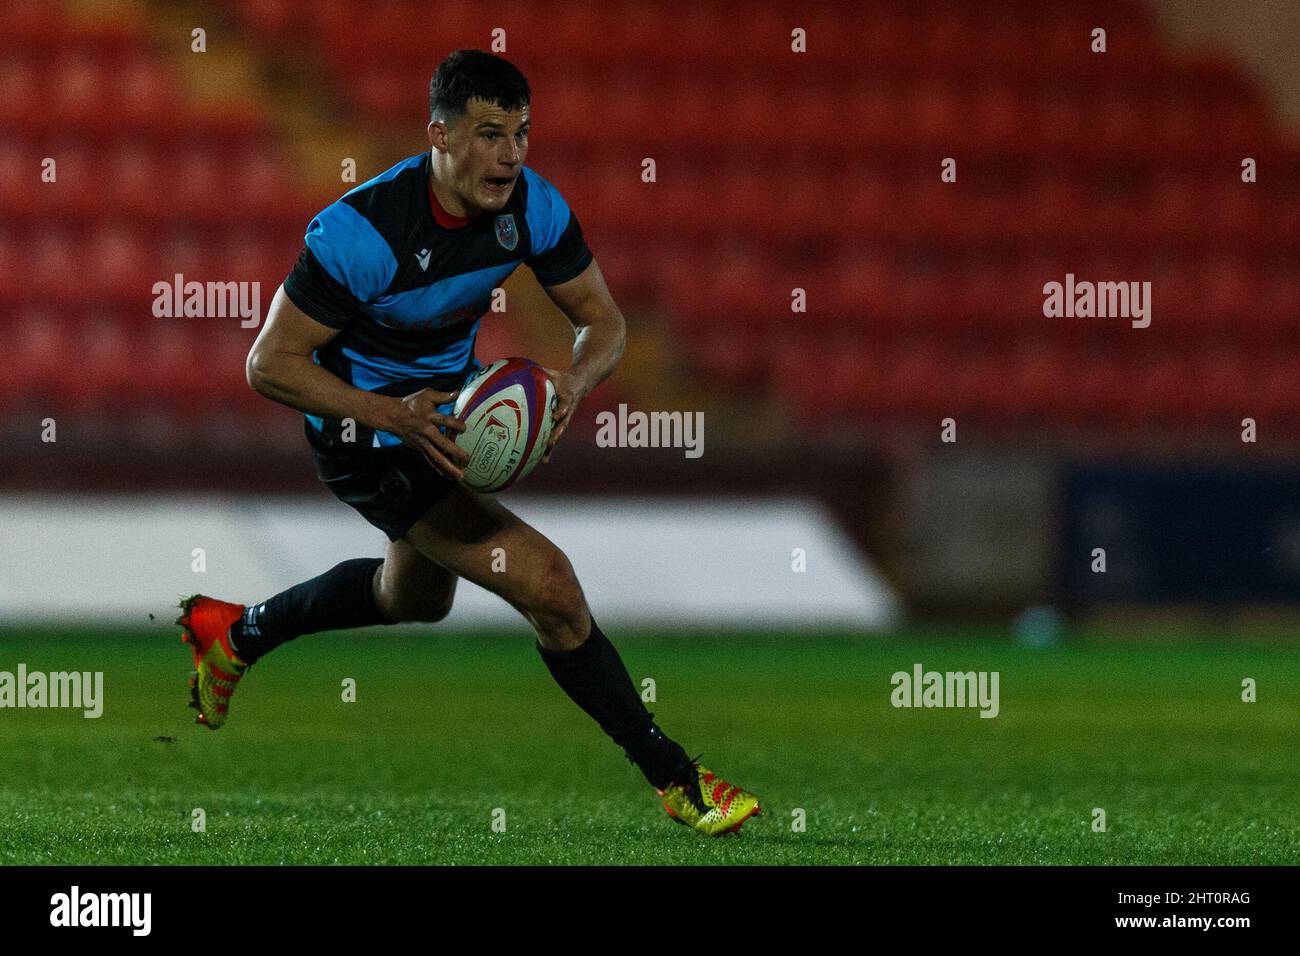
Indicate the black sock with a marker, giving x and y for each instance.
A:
(593, 675)
(342, 597)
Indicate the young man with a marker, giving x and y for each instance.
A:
(371, 335)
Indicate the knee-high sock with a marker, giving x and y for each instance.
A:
(342, 597)
(594, 677)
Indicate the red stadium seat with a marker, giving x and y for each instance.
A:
(774, 170)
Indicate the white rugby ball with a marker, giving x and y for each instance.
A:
(506, 407)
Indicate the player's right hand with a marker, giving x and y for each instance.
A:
(417, 422)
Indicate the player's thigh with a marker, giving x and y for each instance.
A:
(413, 588)
(479, 539)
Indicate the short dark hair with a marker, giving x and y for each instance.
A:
(475, 74)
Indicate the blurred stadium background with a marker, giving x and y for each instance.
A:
(775, 171)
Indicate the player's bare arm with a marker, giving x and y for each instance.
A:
(280, 367)
(601, 336)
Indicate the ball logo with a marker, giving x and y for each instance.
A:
(502, 417)
(488, 458)
(507, 403)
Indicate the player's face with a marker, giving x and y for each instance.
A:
(486, 148)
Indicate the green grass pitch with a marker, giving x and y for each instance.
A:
(450, 727)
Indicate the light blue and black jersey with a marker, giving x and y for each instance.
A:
(407, 292)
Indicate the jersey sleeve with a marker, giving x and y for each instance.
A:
(559, 251)
(343, 264)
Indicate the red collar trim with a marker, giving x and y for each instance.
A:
(444, 218)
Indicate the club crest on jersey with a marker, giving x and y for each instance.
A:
(507, 234)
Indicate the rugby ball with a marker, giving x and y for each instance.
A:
(506, 407)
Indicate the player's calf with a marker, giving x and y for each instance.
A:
(410, 587)
(552, 601)
(424, 608)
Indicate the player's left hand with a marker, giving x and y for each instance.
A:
(569, 391)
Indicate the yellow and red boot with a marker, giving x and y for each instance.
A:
(217, 669)
(709, 804)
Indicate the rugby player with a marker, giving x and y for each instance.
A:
(371, 335)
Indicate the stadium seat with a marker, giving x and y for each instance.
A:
(774, 170)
